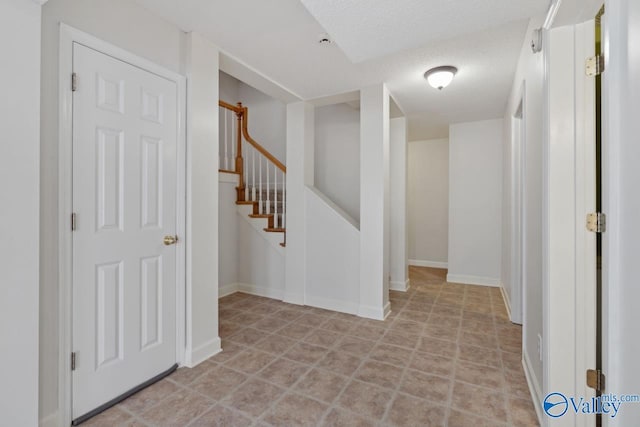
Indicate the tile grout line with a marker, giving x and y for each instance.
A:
(290, 388)
(471, 303)
(334, 404)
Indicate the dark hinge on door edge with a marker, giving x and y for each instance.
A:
(73, 361)
(73, 222)
(74, 82)
(595, 379)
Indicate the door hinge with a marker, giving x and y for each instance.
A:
(597, 222)
(73, 221)
(594, 65)
(73, 361)
(74, 82)
(595, 379)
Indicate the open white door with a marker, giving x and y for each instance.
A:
(124, 201)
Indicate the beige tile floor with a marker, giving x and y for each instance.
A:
(446, 356)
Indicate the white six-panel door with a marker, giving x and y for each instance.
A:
(124, 198)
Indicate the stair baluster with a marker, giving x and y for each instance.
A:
(275, 196)
(226, 141)
(253, 175)
(284, 200)
(246, 168)
(268, 198)
(233, 139)
(260, 205)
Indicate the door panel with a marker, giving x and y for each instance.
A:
(124, 198)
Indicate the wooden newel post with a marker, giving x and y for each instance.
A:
(239, 160)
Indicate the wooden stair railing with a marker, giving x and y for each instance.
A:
(262, 177)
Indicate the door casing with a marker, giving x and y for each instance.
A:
(69, 35)
(518, 211)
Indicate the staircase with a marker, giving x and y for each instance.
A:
(261, 190)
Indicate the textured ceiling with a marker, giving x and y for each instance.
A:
(367, 29)
(278, 38)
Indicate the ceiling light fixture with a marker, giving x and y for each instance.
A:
(440, 77)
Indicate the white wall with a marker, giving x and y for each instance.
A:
(300, 141)
(267, 115)
(332, 255)
(399, 242)
(229, 88)
(228, 245)
(19, 218)
(428, 201)
(261, 267)
(267, 120)
(530, 72)
(202, 200)
(475, 197)
(337, 156)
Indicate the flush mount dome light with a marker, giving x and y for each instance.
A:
(440, 77)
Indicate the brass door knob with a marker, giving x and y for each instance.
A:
(170, 240)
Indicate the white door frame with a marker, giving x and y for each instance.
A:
(518, 211)
(69, 36)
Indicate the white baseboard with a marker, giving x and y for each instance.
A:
(534, 387)
(293, 298)
(261, 291)
(507, 302)
(203, 352)
(386, 310)
(331, 304)
(50, 420)
(424, 263)
(375, 313)
(248, 288)
(229, 289)
(400, 286)
(473, 280)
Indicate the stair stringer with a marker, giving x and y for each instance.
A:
(259, 225)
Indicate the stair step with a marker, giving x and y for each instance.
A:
(275, 230)
(265, 215)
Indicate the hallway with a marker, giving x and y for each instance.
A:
(447, 355)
